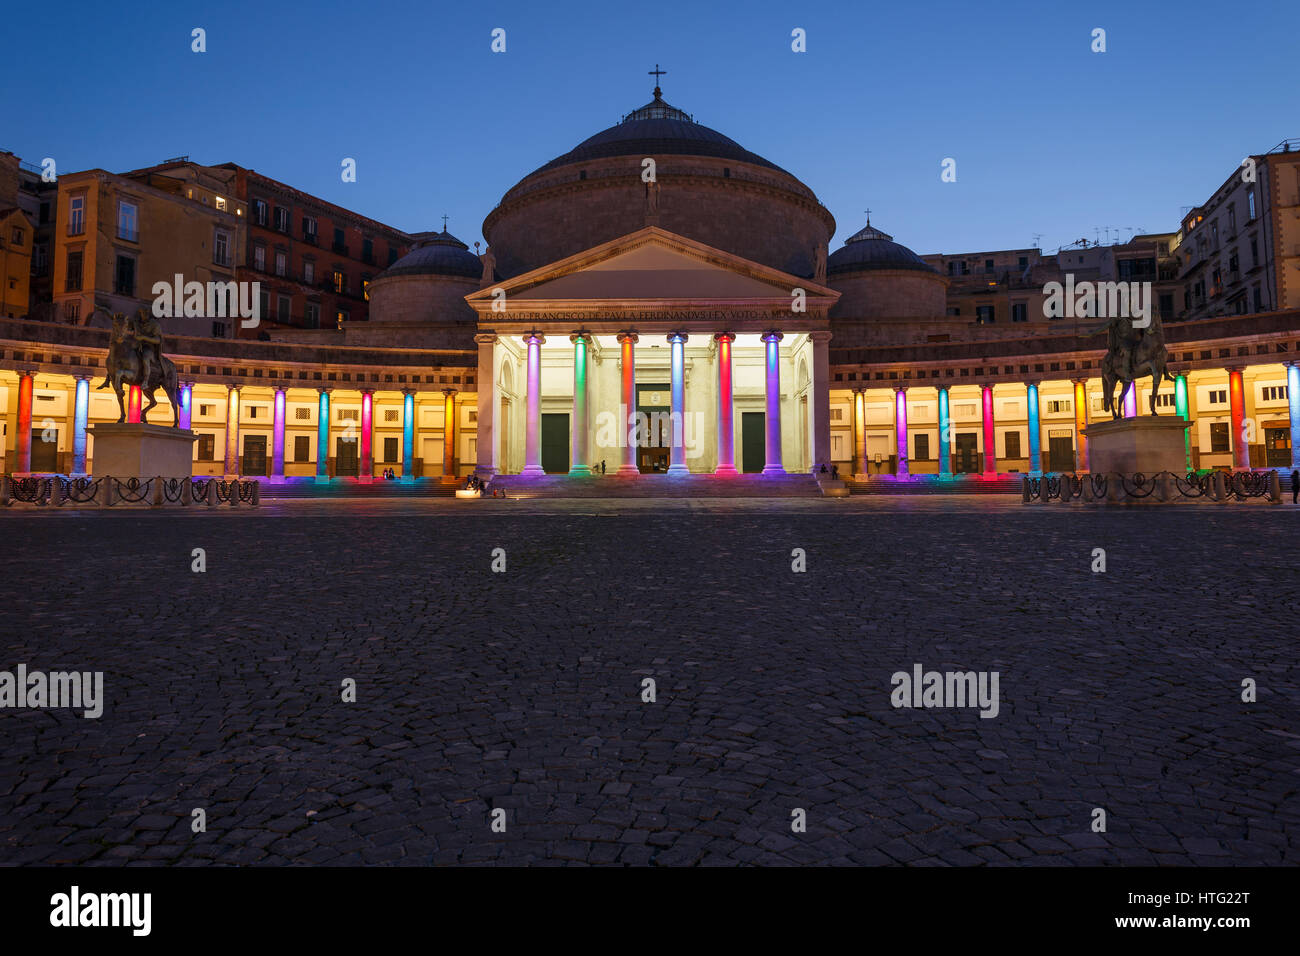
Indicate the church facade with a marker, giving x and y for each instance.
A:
(658, 301)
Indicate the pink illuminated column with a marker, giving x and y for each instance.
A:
(1131, 401)
(277, 441)
(900, 429)
(23, 440)
(726, 413)
(627, 409)
(133, 402)
(232, 432)
(677, 460)
(533, 436)
(990, 440)
(367, 434)
(772, 364)
(1240, 439)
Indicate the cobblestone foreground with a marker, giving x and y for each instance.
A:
(522, 690)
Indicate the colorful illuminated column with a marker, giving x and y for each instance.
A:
(323, 436)
(367, 472)
(578, 464)
(23, 440)
(1131, 402)
(859, 433)
(726, 410)
(990, 436)
(1237, 399)
(1035, 430)
(900, 430)
(408, 435)
(1180, 404)
(945, 434)
(185, 414)
(449, 434)
(1293, 400)
(133, 402)
(232, 432)
(81, 406)
(1081, 422)
(677, 457)
(772, 365)
(533, 436)
(628, 468)
(277, 439)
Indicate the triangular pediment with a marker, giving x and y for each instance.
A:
(652, 265)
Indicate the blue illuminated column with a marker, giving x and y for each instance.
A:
(677, 460)
(323, 436)
(1293, 401)
(408, 435)
(82, 404)
(945, 460)
(773, 465)
(1035, 437)
(277, 441)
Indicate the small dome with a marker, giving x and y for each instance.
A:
(437, 253)
(658, 129)
(872, 249)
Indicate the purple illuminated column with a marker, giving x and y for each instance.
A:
(1131, 401)
(627, 408)
(677, 460)
(1293, 403)
(367, 435)
(79, 414)
(726, 416)
(990, 439)
(185, 413)
(772, 363)
(533, 437)
(277, 441)
(900, 428)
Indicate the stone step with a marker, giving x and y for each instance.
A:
(1006, 484)
(660, 486)
(352, 488)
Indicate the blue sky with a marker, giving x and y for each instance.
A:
(1049, 137)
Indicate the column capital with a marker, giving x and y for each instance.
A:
(449, 391)
(628, 335)
(534, 338)
(859, 389)
(820, 336)
(773, 336)
(675, 337)
(1234, 368)
(324, 389)
(580, 334)
(485, 338)
(1288, 362)
(280, 388)
(724, 337)
(900, 388)
(366, 391)
(1032, 382)
(942, 388)
(1079, 381)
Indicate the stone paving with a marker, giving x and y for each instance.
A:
(522, 690)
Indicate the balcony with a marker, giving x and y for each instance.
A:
(311, 237)
(340, 247)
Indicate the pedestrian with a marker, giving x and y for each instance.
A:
(602, 466)
(1295, 486)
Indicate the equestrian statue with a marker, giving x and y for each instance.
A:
(1131, 353)
(135, 359)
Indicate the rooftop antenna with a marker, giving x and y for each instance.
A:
(1038, 240)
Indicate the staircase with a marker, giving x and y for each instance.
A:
(1008, 484)
(659, 486)
(352, 488)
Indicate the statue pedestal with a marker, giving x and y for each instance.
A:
(1148, 444)
(142, 451)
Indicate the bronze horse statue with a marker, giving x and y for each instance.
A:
(125, 364)
(1130, 356)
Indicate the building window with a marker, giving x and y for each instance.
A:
(302, 414)
(1019, 312)
(1219, 443)
(311, 315)
(218, 330)
(281, 219)
(259, 258)
(40, 259)
(281, 263)
(339, 244)
(340, 281)
(221, 203)
(390, 449)
(72, 282)
(392, 254)
(282, 304)
(1232, 218)
(1218, 396)
(339, 318)
(365, 287)
(71, 311)
(1012, 443)
(18, 236)
(1059, 407)
(1258, 300)
(983, 315)
(309, 229)
(77, 216)
(205, 410)
(309, 272)
(124, 276)
(254, 411)
(1250, 204)
(302, 448)
(988, 266)
(207, 447)
(1274, 393)
(922, 447)
(1165, 400)
(367, 250)
(1023, 263)
(221, 248)
(349, 414)
(259, 211)
(390, 414)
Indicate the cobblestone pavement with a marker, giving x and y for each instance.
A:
(522, 690)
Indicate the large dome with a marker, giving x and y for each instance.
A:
(707, 187)
(870, 248)
(878, 278)
(437, 253)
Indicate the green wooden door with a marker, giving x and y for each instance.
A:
(753, 441)
(555, 443)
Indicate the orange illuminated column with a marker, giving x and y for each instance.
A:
(1240, 439)
(449, 435)
(232, 433)
(1081, 422)
(726, 414)
(133, 404)
(631, 434)
(23, 440)
(860, 434)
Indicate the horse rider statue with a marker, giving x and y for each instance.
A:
(1131, 352)
(135, 359)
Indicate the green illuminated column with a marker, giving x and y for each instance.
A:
(579, 464)
(1180, 403)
